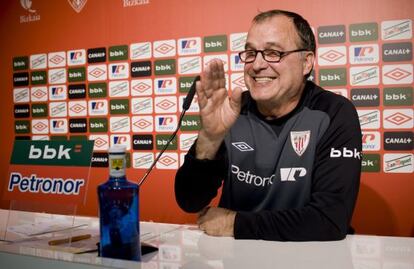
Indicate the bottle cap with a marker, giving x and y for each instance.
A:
(117, 149)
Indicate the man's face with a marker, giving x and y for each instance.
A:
(276, 83)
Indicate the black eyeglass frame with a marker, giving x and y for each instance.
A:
(281, 55)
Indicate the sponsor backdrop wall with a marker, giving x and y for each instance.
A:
(117, 71)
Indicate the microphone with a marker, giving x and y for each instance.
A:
(186, 105)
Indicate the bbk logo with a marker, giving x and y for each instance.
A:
(141, 87)
(140, 51)
(235, 62)
(119, 124)
(291, 174)
(22, 111)
(76, 74)
(59, 126)
(118, 53)
(215, 43)
(189, 65)
(141, 69)
(21, 79)
(77, 91)
(187, 140)
(222, 57)
(76, 57)
(22, 126)
(238, 41)
(166, 104)
(77, 108)
(57, 76)
(162, 141)
(21, 95)
(119, 88)
(119, 106)
(164, 48)
(189, 46)
(39, 94)
(363, 32)
(165, 67)
(142, 124)
(167, 123)
(364, 75)
(77, 126)
(397, 52)
(168, 161)
(48, 153)
(365, 97)
(398, 96)
(369, 119)
(398, 163)
(332, 56)
(97, 90)
(398, 118)
(398, 141)
(38, 61)
(141, 105)
(370, 163)
(99, 159)
(97, 55)
(345, 153)
(101, 142)
(39, 110)
(142, 142)
(190, 123)
(58, 109)
(57, 59)
(98, 125)
(394, 30)
(397, 74)
(121, 139)
(185, 84)
(98, 107)
(331, 34)
(333, 77)
(119, 71)
(20, 63)
(38, 77)
(364, 54)
(166, 85)
(97, 72)
(57, 92)
(371, 141)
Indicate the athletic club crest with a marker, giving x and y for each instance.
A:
(300, 141)
(77, 5)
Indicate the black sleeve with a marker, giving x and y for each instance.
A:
(197, 181)
(335, 185)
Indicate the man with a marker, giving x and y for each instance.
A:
(286, 152)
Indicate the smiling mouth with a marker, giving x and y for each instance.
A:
(263, 79)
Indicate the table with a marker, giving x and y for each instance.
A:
(184, 246)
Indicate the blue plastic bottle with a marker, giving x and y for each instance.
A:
(119, 211)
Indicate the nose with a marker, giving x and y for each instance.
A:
(259, 63)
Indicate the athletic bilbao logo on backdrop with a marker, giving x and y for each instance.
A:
(300, 141)
(32, 15)
(77, 5)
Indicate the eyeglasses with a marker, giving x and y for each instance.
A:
(271, 56)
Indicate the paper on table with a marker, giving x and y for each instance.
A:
(32, 229)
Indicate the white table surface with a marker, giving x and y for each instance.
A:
(184, 246)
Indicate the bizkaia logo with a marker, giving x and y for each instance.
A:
(167, 123)
(38, 61)
(215, 43)
(168, 161)
(21, 95)
(142, 124)
(97, 72)
(141, 87)
(399, 96)
(31, 16)
(119, 88)
(38, 94)
(57, 76)
(237, 41)
(141, 105)
(142, 142)
(101, 142)
(162, 140)
(398, 163)
(77, 108)
(118, 71)
(187, 140)
(167, 104)
(398, 118)
(331, 34)
(189, 46)
(164, 48)
(363, 32)
(333, 77)
(21, 79)
(76, 57)
(397, 74)
(397, 52)
(332, 55)
(140, 51)
(371, 141)
(98, 107)
(78, 126)
(189, 65)
(59, 126)
(394, 30)
(58, 109)
(369, 119)
(57, 92)
(97, 55)
(142, 160)
(121, 139)
(370, 163)
(235, 63)
(56, 59)
(131, 3)
(141, 69)
(119, 124)
(40, 126)
(22, 111)
(364, 75)
(99, 159)
(398, 141)
(222, 57)
(77, 91)
(364, 54)
(167, 85)
(365, 97)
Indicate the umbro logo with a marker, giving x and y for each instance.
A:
(242, 146)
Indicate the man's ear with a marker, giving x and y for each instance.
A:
(308, 62)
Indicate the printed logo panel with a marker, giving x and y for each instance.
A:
(141, 105)
(398, 29)
(189, 65)
(21, 95)
(101, 142)
(142, 124)
(238, 41)
(56, 59)
(364, 54)
(398, 118)
(140, 51)
(398, 163)
(189, 46)
(97, 55)
(141, 87)
(397, 74)
(76, 57)
(118, 53)
(371, 141)
(187, 140)
(119, 124)
(168, 160)
(363, 32)
(57, 92)
(369, 119)
(397, 52)
(142, 160)
(215, 43)
(332, 56)
(398, 141)
(365, 97)
(167, 104)
(119, 88)
(371, 163)
(331, 34)
(398, 96)
(364, 75)
(164, 48)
